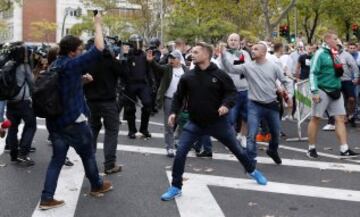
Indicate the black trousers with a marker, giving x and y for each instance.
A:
(143, 92)
(109, 112)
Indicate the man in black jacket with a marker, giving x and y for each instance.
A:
(101, 98)
(210, 94)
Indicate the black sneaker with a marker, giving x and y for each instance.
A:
(145, 134)
(68, 163)
(197, 150)
(204, 154)
(275, 156)
(312, 153)
(132, 135)
(25, 161)
(348, 154)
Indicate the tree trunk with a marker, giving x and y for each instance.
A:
(269, 26)
(347, 24)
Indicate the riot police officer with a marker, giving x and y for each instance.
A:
(140, 81)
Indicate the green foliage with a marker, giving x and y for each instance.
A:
(42, 30)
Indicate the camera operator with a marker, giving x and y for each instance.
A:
(101, 98)
(20, 108)
(139, 84)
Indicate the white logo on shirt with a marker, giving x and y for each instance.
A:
(214, 80)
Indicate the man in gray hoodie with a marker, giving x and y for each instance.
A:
(261, 75)
(348, 82)
(236, 56)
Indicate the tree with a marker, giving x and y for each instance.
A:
(271, 16)
(343, 13)
(201, 20)
(43, 30)
(310, 12)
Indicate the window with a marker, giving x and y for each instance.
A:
(8, 13)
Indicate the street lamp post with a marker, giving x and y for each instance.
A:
(67, 11)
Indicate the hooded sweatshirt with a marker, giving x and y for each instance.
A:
(205, 91)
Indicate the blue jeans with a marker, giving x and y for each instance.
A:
(222, 131)
(80, 137)
(2, 110)
(256, 113)
(205, 143)
(240, 108)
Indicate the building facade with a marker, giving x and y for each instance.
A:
(64, 14)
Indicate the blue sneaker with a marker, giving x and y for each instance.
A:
(171, 194)
(259, 177)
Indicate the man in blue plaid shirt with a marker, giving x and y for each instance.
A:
(71, 128)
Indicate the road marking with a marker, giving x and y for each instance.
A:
(161, 135)
(68, 189)
(198, 201)
(305, 151)
(261, 160)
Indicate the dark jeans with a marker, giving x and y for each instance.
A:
(222, 131)
(143, 92)
(256, 113)
(79, 136)
(239, 111)
(109, 112)
(17, 111)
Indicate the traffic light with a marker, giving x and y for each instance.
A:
(355, 28)
(284, 30)
(292, 38)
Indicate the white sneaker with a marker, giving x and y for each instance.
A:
(329, 127)
(243, 141)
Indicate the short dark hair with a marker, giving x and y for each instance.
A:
(69, 44)
(352, 44)
(278, 46)
(207, 47)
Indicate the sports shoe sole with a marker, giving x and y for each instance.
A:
(311, 157)
(349, 157)
(51, 207)
(100, 193)
(176, 196)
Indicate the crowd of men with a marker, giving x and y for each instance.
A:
(234, 91)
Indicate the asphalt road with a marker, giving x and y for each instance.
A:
(326, 187)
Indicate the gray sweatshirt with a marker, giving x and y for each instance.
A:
(351, 70)
(240, 83)
(25, 79)
(261, 79)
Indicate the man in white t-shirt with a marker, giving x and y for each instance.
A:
(170, 76)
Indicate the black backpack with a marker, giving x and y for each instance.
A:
(9, 87)
(46, 97)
